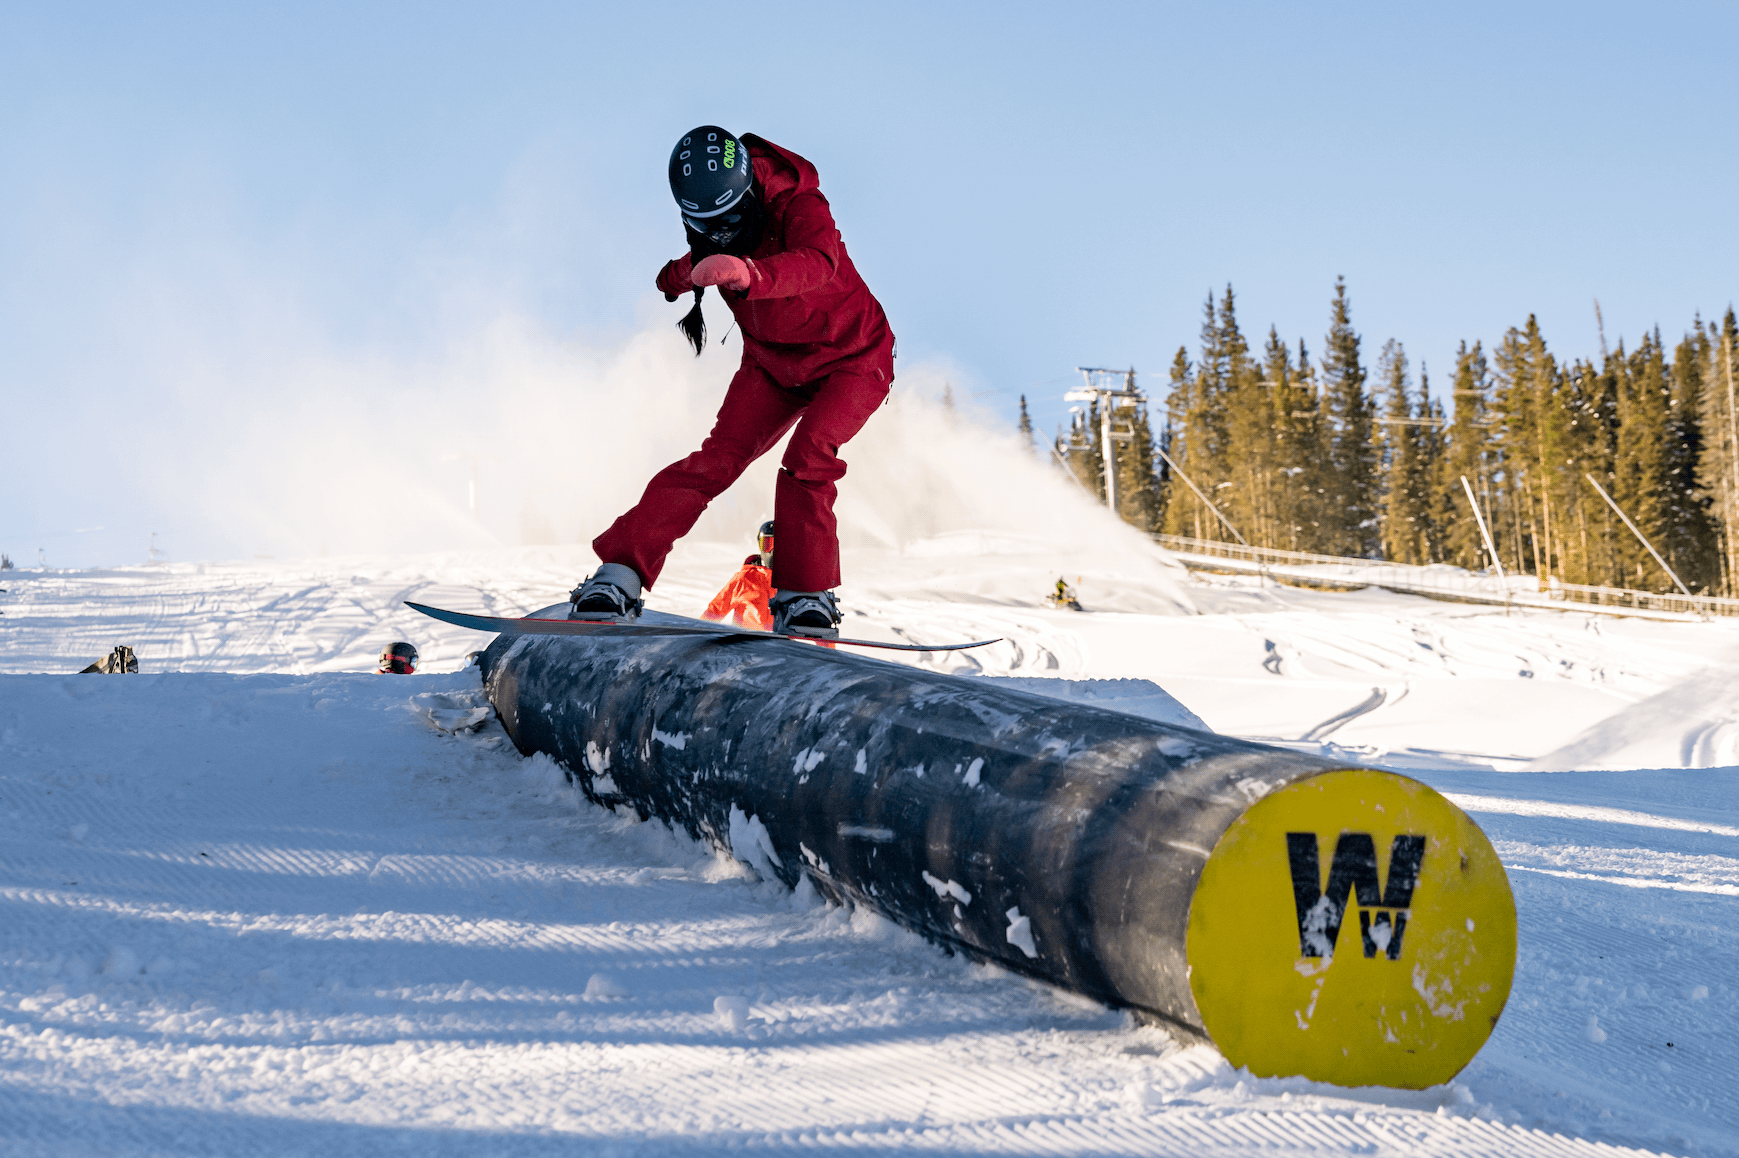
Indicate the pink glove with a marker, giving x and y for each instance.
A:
(722, 270)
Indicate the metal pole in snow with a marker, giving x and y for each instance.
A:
(1105, 451)
(1107, 399)
(1639, 535)
(1207, 501)
(1490, 549)
(1261, 568)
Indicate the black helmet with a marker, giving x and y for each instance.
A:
(764, 543)
(398, 659)
(709, 172)
(713, 181)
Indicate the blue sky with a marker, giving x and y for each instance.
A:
(1026, 187)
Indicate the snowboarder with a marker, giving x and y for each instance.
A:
(745, 599)
(817, 355)
(397, 659)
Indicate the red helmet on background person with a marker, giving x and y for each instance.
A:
(397, 659)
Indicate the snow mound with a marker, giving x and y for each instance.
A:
(307, 912)
(1693, 724)
(1132, 696)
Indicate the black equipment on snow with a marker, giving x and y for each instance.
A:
(398, 659)
(121, 661)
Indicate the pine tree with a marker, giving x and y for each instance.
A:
(1026, 429)
(1350, 486)
(1567, 444)
(1318, 470)
(1718, 467)
(1464, 456)
(1293, 419)
(1641, 481)
(1205, 450)
(1245, 492)
(1532, 435)
(1689, 537)
(1137, 484)
(1611, 545)
(1405, 496)
(1293, 453)
(1575, 441)
(1084, 456)
(1430, 440)
(1171, 438)
(1507, 446)
(1199, 440)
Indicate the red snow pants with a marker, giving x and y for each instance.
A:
(756, 413)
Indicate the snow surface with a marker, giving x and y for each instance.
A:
(258, 903)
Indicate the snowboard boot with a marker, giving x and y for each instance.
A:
(612, 592)
(813, 614)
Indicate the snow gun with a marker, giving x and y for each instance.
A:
(1345, 924)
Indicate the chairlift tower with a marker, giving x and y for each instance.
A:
(1113, 389)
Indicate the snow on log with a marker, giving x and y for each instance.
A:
(1345, 924)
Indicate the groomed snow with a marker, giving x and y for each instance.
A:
(257, 903)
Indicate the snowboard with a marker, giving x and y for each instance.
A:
(655, 623)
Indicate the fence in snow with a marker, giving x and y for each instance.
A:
(1438, 581)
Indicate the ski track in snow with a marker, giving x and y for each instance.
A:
(288, 913)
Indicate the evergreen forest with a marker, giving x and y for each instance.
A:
(1346, 455)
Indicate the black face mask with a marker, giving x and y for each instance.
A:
(736, 231)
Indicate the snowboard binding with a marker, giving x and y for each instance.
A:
(810, 614)
(612, 592)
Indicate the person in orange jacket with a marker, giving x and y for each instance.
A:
(744, 600)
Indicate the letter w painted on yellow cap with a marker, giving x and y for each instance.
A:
(1354, 869)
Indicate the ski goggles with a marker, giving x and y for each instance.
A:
(765, 543)
(721, 229)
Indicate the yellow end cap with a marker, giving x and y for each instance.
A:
(1352, 927)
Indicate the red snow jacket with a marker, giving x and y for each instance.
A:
(806, 312)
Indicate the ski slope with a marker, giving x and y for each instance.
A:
(255, 902)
